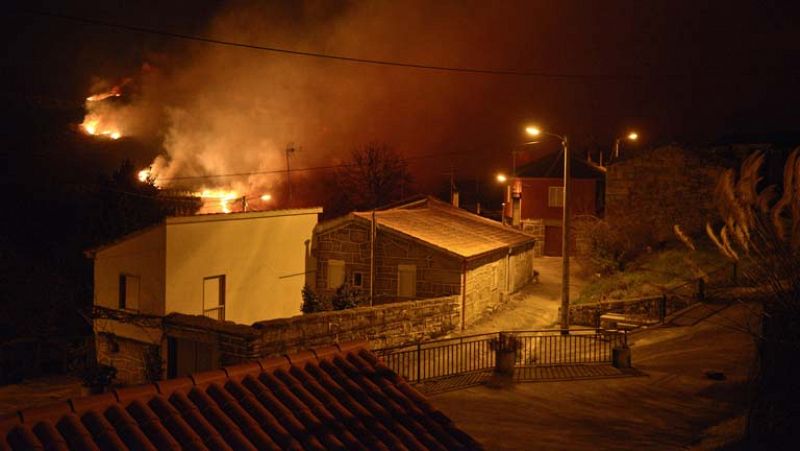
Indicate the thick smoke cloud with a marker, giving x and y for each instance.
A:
(230, 110)
(226, 110)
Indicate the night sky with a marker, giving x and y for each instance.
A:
(689, 72)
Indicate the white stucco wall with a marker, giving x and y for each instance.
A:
(262, 256)
(142, 255)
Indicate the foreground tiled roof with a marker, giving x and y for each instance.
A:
(330, 398)
(449, 228)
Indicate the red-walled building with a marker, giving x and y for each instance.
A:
(541, 185)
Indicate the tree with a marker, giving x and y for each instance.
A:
(311, 302)
(346, 297)
(762, 230)
(375, 176)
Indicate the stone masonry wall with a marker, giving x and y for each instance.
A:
(535, 227)
(522, 262)
(383, 326)
(486, 282)
(438, 274)
(649, 308)
(668, 186)
(127, 356)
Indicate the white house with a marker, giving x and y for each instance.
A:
(240, 267)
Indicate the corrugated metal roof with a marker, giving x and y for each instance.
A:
(449, 228)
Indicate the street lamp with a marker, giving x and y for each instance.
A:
(534, 131)
(632, 136)
(502, 178)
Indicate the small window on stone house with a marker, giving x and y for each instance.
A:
(336, 273)
(406, 281)
(358, 279)
(555, 196)
(129, 292)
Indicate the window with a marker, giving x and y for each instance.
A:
(129, 292)
(214, 297)
(406, 281)
(335, 273)
(555, 196)
(358, 279)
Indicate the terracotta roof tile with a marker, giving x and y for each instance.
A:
(169, 386)
(127, 394)
(445, 227)
(335, 397)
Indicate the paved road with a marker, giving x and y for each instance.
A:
(667, 407)
(535, 306)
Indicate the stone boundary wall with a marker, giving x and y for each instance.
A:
(383, 326)
(653, 308)
(128, 356)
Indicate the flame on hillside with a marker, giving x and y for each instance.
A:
(99, 120)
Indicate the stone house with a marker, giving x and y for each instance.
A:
(537, 191)
(661, 187)
(423, 248)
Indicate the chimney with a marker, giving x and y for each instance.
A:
(454, 198)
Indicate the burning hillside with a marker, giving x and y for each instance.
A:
(105, 118)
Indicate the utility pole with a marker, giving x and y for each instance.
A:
(289, 150)
(565, 242)
(373, 229)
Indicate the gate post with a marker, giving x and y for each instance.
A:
(505, 354)
(419, 360)
(621, 355)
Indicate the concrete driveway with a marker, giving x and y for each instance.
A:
(667, 406)
(535, 306)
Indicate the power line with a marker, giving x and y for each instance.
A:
(350, 59)
(312, 168)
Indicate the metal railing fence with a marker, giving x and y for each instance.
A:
(477, 353)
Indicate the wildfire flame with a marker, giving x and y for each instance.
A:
(144, 175)
(95, 123)
(104, 95)
(223, 196)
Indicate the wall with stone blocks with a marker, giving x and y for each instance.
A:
(646, 308)
(438, 274)
(667, 185)
(126, 355)
(535, 227)
(383, 326)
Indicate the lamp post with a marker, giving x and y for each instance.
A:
(632, 136)
(503, 179)
(533, 131)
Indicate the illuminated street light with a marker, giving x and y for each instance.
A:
(535, 131)
(266, 197)
(632, 136)
(502, 178)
